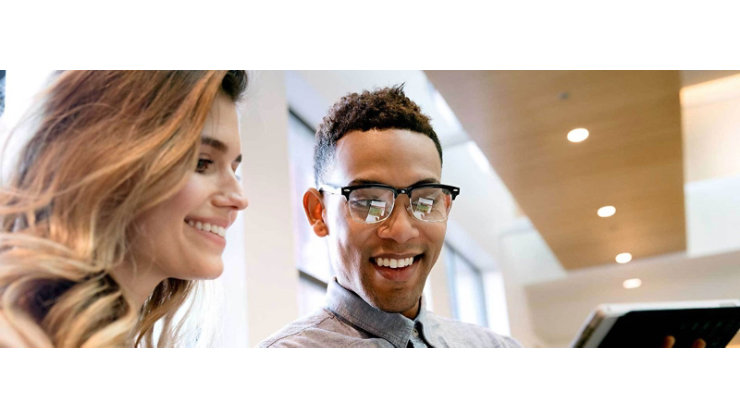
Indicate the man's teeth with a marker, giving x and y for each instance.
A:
(394, 263)
(207, 227)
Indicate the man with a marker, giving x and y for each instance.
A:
(378, 201)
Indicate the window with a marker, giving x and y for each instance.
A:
(312, 252)
(311, 293)
(467, 291)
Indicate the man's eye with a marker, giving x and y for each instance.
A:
(203, 165)
(360, 202)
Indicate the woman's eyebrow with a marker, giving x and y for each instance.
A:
(218, 145)
(214, 143)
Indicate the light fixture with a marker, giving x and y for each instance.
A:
(632, 283)
(624, 257)
(606, 211)
(578, 135)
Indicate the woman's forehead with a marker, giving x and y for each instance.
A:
(222, 125)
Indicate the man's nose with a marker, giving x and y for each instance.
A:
(399, 227)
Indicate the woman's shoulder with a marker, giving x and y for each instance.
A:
(9, 336)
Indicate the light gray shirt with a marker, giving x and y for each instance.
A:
(348, 321)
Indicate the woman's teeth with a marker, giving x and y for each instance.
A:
(207, 227)
(394, 263)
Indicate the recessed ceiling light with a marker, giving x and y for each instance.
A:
(606, 211)
(578, 135)
(624, 257)
(632, 283)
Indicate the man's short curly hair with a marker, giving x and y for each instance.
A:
(385, 108)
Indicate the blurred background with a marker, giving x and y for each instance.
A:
(577, 188)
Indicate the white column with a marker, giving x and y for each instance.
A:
(271, 272)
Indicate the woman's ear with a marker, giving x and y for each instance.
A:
(313, 205)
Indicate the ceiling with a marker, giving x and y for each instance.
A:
(696, 77)
(632, 159)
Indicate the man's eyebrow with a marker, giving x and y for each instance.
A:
(363, 181)
(218, 145)
(426, 181)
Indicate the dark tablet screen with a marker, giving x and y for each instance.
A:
(717, 326)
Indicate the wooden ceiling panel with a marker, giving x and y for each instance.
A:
(631, 160)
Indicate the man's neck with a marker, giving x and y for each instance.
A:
(410, 314)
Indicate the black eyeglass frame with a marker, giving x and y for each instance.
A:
(345, 191)
(454, 191)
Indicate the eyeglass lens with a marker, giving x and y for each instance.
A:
(375, 204)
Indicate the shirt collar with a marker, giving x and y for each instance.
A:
(393, 327)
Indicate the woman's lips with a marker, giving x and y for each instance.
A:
(210, 236)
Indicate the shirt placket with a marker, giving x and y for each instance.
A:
(416, 341)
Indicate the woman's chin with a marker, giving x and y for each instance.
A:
(206, 273)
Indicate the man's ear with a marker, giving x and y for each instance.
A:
(313, 205)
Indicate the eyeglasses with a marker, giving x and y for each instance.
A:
(373, 203)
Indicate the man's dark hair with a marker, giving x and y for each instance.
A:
(386, 108)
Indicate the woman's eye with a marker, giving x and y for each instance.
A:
(203, 165)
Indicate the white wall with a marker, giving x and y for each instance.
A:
(271, 274)
(710, 114)
(713, 215)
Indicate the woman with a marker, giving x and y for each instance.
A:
(120, 200)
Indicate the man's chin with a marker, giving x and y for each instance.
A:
(394, 300)
(396, 305)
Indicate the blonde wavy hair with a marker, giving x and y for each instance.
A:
(108, 145)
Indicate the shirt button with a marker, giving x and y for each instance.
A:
(415, 333)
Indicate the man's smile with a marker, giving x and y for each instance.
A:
(398, 268)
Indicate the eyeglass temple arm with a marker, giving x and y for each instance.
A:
(333, 189)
